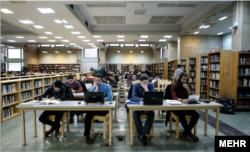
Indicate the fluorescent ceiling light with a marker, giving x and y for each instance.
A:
(130, 45)
(58, 37)
(222, 18)
(69, 51)
(207, 26)
(96, 36)
(220, 33)
(59, 45)
(162, 40)
(81, 37)
(144, 44)
(58, 21)
(75, 46)
(57, 52)
(122, 45)
(52, 40)
(121, 40)
(38, 26)
(72, 44)
(99, 40)
(85, 40)
(75, 32)
(2, 45)
(91, 44)
(196, 32)
(142, 51)
(48, 32)
(120, 36)
(141, 40)
(230, 27)
(118, 51)
(1, 37)
(26, 21)
(64, 21)
(168, 36)
(19, 37)
(144, 36)
(6, 11)
(46, 10)
(31, 41)
(11, 40)
(44, 51)
(65, 40)
(67, 46)
(68, 26)
(202, 26)
(137, 45)
(42, 37)
(52, 45)
(11, 47)
(131, 51)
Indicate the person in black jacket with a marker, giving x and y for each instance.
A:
(54, 92)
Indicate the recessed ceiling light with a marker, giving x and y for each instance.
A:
(64, 21)
(6, 11)
(57, 52)
(65, 40)
(75, 32)
(58, 37)
(68, 26)
(72, 44)
(196, 32)
(19, 37)
(81, 37)
(96, 36)
(230, 27)
(122, 45)
(46, 10)
(52, 40)
(99, 40)
(131, 51)
(26, 21)
(44, 51)
(168, 36)
(202, 26)
(142, 51)
(120, 36)
(31, 41)
(91, 44)
(220, 33)
(118, 51)
(48, 32)
(58, 21)
(137, 45)
(141, 40)
(121, 40)
(207, 26)
(11, 40)
(69, 51)
(42, 37)
(85, 40)
(2, 45)
(144, 36)
(75, 46)
(222, 18)
(38, 26)
(162, 40)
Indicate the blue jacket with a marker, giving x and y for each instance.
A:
(50, 92)
(138, 91)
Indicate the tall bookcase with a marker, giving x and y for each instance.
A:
(149, 67)
(34, 67)
(137, 66)
(220, 72)
(125, 67)
(201, 76)
(173, 68)
(191, 71)
(76, 68)
(61, 67)
(183, 63)
(169, 71)
(241, 80)
(111, 67)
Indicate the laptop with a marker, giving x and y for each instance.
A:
(153, 98)
(193, 99)
(113, 84)
(94, 97)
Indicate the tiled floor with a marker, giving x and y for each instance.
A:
(11, 135)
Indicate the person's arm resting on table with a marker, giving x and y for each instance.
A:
(134, 93)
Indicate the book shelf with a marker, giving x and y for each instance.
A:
(60, 67)
(173, 68)
(191, 71)
(137, 66)
(34, 67)
(220, 71)
(111, 67)
(165, 71)
(76, 68)
(161, 69)
(149, 67)
(241, 80)
(3, 67)
(125, 67)
(201, 76)
(169, 71)
(183, 64)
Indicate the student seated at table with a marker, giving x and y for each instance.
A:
(126, 76)
(130, 80)
(85, 79)
(54, 92)
(137, 95)
(156, 80)
(108, 96)
(180, 91)
(76, 87)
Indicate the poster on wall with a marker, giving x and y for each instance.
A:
(213, 49)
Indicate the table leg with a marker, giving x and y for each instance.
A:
(110, 126)
(131, 126)
(23, 126)
(206, 116)
(34, 119)
(116, 108)
(217, 122)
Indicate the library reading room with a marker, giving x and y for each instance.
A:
(127, 76)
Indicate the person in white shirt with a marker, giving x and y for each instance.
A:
(177, 72)
(156, 80)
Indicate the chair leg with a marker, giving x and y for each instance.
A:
(170, 124)
(152, 130)
(161, 115)
(195, 129)
(177, 130)
(158, 112)
(104, 130)
(62, 129)
(67, 119)
(92, 125)
(44, 129)
(128, 118)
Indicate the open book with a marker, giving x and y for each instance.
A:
(47, 102)
(174, 102)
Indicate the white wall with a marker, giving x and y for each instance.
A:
(227, 42)
(125, 57)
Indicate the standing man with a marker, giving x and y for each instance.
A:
(103, 72)
(177, 73)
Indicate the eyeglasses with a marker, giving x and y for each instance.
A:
(98, 80)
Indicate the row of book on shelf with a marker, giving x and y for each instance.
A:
(243, 93)
(183, 62)
(215, 75)
(38, 83)
(26, 85)
(203, 88)
(204, 82)
(8, 88)
(192, 79)
(46, 81)
(214, 67)
(192, 86)
(203, 96)
(244, 71)
(243, 104)
(6, 100)
(192, 61)
(192, 74)
(204, 60)
(26, 95)
(215, 84)
(7, 112)
(214, 58)
(244, 82)
(244, 60)
(192, 67)
(214, 92)
(38, 91)
(183, 67)
(203, 74)
(203, 67)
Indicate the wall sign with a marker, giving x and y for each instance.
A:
(213, 49)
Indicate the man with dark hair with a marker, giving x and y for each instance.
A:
(54, 92)
(126, 76)
(103, 72)
(85, 79)
(138, 95)
(177, 72)
(130, 80)
(156, 80)
(108, 96)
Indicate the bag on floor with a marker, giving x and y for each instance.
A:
(228, 105)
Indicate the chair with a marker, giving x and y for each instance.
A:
(164, 84)
(143, 116)
(105, 120)
(133, 82)
(176, 118)
(52, 117)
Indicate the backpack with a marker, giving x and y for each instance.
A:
(83, 85)
(228, 105)
(68, 92)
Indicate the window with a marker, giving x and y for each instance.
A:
(91, 64)
(14, 66)
(14, 54)
(91, 53)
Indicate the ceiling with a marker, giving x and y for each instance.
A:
(131, 19)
